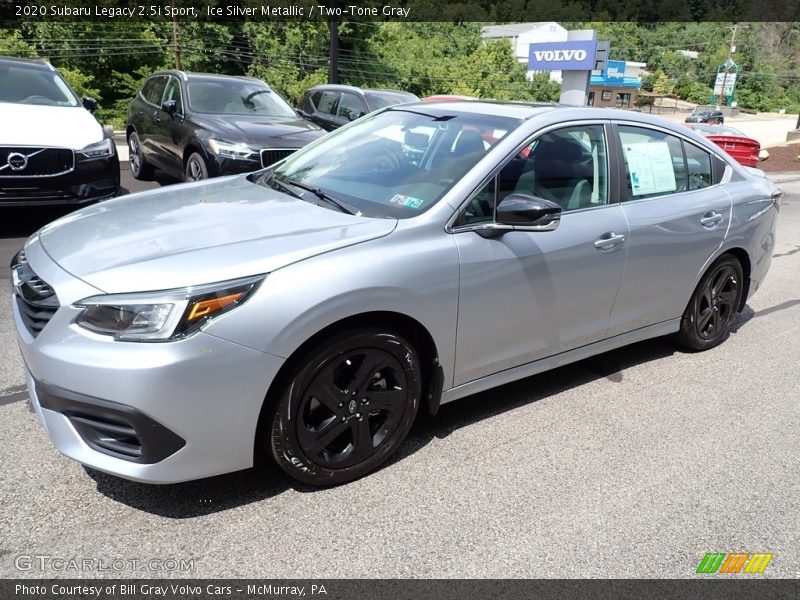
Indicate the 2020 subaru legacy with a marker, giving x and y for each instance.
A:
(417, 255)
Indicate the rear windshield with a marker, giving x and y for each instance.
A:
(377, 100)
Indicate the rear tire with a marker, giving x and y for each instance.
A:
(347, 407)
(707, 320)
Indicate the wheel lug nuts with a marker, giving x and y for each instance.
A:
(358, 415)
(344, 419)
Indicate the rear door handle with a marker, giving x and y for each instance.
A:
(711, 219)
(156, 118)
(609, 240)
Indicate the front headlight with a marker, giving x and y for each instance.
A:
(162, 316)
(101, 149)
(227, 150)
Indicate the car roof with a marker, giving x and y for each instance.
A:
(191, 75)
(351, 88)
(33, 63)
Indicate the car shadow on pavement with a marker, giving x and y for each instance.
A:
(224, 492)
(194, 498)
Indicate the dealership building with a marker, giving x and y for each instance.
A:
(618, 84)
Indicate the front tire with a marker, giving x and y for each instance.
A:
(707, 320)
(195, 168)
(347, 407)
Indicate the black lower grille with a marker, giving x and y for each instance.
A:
(36, 300)
(109, 436)
(270, 156)
(112, 428)
(21, 161)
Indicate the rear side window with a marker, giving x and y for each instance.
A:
(654, 163)
(327, 103)
(153, 90)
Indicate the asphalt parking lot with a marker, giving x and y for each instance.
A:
(634, 463)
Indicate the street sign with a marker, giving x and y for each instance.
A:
(729, 81)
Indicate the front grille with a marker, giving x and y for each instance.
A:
(27, 161)
(36, 300)
(270, 156)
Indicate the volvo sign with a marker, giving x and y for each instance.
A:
(562, 56)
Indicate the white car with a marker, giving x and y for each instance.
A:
(52, 149)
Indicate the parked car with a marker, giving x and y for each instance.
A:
(331, 106)
(52, 149)
(706, 115)
(193, 126)
(744, 149)
(310, 310)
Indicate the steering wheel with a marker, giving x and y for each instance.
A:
(386, 160)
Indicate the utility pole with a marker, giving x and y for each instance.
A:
(333, 76)
(731, 50)
(175, 37)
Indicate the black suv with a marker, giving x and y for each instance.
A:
(52, 149)
(331, 106)
(194, 126)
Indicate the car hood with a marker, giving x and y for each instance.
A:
(198, 233)
(262, 132)
(33, 125)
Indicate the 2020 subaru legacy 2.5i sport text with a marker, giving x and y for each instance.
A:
(415, 256)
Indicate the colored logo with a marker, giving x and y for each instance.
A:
(736, 562)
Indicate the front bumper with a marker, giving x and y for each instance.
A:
(150, 412)
(89, 181)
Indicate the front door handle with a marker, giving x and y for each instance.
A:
(156, 118)
(711, 219)
(609, 240)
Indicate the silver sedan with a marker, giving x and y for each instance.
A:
(309, 311)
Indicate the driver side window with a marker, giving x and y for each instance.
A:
(568, 166)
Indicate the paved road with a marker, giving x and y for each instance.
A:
(631, 464)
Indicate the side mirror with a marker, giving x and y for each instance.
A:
(524, 210)
(301, 113)
(170, 107)
(89, 104)
(520, 212)
(353, 115)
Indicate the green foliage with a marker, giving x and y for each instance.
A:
(109, 60)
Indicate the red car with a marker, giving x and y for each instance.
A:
(744, 149)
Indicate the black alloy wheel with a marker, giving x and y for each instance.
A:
(196, 169)
(139, 168)
(709, 315)
(348, 407)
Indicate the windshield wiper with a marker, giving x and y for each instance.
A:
(338, 203)
(269, 180)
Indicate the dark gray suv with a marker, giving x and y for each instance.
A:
(331, 106)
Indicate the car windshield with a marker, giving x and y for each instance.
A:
(397, 163)
(25, 85)
(236, 97)
(378, 100)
